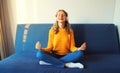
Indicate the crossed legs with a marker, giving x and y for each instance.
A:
(61, 62)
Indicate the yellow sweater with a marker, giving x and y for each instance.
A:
(62, 42)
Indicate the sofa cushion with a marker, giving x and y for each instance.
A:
(36, 32)
(100, 38)
(109, 63)
(28, 63)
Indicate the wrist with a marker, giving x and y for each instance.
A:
(79, 48)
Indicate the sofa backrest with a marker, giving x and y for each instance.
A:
(100, 38)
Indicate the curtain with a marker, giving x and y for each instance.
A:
(6, 40)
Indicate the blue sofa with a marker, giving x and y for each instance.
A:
(102, 54)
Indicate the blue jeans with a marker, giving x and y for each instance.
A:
(59, 62)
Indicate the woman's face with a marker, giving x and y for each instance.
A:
(61, 17)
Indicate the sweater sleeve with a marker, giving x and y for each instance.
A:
(50, 42)
(72, 42)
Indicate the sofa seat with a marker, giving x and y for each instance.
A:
(28, 63)
(106, 61)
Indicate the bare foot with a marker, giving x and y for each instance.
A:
(83, 46)
(38, 45)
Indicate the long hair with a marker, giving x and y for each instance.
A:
(55, 26)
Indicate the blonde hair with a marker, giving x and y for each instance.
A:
(67, 25)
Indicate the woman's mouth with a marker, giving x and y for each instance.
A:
(61, 19)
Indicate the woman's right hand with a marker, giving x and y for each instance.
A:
(38, 45)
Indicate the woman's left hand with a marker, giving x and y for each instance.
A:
(82, 47)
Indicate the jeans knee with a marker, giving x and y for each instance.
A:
(80, 53)
(39, 54)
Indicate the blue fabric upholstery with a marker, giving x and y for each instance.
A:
(100, 39)
(35, 33)
(102, 54)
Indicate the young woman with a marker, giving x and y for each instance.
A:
(61, 50)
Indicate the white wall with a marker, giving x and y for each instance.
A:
(80, 11)
(117, 15)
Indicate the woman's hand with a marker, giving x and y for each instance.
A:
(38, 45)
(82, 47)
